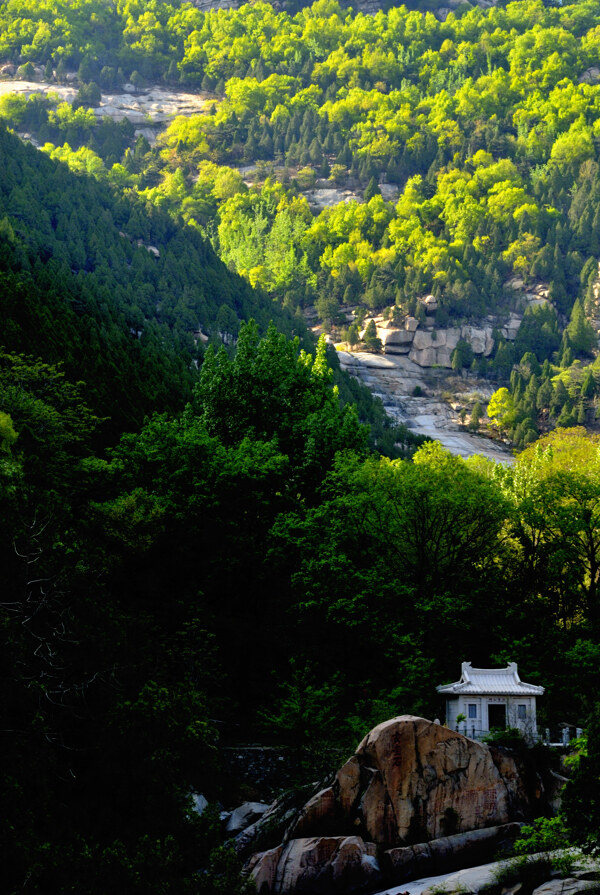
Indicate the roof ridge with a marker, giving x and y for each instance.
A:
(491, 680)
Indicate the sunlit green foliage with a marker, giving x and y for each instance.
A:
(483, 121)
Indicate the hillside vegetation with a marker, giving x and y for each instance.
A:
(485, 124)
(248, 561)
(200, 544)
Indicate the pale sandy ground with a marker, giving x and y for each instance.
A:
(153, 106)
(327, 197)
(393, 378)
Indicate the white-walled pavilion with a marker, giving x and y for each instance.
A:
(491, 698)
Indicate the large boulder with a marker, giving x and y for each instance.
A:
(427, 779)
(395, 337)
(321, 866)
(479, 338)
(423, 339)
(424, 357)
(412, 781)
(511, 327)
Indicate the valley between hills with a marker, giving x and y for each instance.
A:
(434, 413)
(299, 414)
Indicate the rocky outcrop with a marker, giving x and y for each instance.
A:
(448, 853)
(569, 886)
(411, 781)
(417, 796)
(497, 878)
(327, 865)
(206, 5)
(435, 347)
(366, 7)
(593, 307)
(273, 826)
(590, 76)
(429, 347)
(535, 877)
(244, 816)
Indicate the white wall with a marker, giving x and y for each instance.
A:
(460, 706)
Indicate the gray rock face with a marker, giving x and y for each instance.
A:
(474, 880)
(206, 5)
(200, 802)
(479, 338)
(541, 880)
(424, 357)
(245, 815)
(448, 853)
(590, 75)
(570, 886)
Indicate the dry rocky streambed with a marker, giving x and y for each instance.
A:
(394, 380)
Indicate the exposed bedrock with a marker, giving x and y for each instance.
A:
(415, 798)
(412, 780)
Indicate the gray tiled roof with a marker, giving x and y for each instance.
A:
(488, 681)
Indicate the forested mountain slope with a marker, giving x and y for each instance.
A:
(124, 296)
(113, 290)
(224, 558)
(486, 123)
(454, 157)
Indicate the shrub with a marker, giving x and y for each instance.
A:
(510, 738)
(544, 835)
(523, 869)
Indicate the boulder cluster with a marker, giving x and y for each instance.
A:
(430, 346)
(415, 799)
